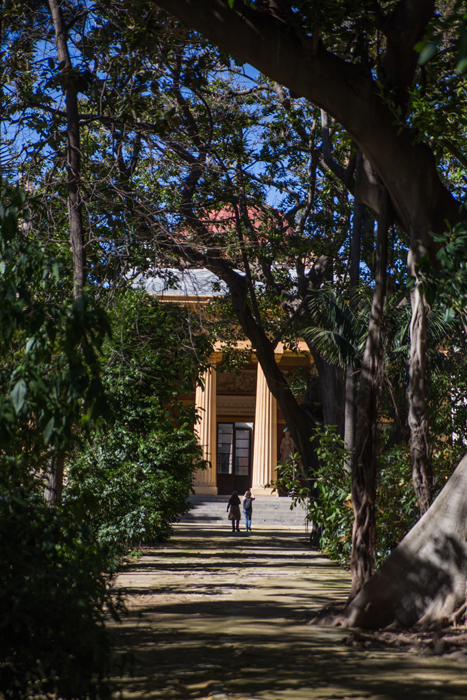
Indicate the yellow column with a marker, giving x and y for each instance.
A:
(206, 427)
(265, 438)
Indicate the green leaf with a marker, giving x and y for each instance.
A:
(48, 429)
(449, 315)
(18, 395)
(428, 52)
(430, 295)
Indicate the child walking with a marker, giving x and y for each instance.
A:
(248, 499)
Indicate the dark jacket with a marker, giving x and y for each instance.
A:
(234, 505)
(248, 505)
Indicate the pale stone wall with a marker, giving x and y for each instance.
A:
(206, 427)
(265, 438)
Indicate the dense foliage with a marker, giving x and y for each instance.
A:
(49, 371)
(51, 578)
(54, 599)
(132, 479)
(185, 157)
(330, 508)
(110, 406)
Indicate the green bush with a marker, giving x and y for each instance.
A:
(130, 488)
(132, 480)
(332, 510)
(396, 503)
(53, 600)
(53, 595)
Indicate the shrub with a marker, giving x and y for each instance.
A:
(53, 595)
(131, 487)
(132, 480)
(53, 600)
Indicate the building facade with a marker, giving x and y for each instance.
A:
(240, 427)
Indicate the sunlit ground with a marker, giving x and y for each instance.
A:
(222, 616)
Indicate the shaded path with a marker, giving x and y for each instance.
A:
(221, 616)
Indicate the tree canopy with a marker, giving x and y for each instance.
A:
(284, 146)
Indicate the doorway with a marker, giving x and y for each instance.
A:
(234, 457)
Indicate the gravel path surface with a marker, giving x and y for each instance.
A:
(222, 616)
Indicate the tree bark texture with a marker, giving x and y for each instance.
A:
(424, 578)
(349, 415)
(420, 452)
(364, 463)
(54, 480)
(355, 245)
(355, 242)
(75, 215)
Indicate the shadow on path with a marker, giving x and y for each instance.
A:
(222, 616)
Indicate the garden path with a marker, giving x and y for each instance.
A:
(225, 617)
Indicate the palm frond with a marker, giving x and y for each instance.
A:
(336, 332)
(336, 349)
(438, 327)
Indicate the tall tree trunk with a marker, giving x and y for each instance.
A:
(349, 416)
(424, 579)
(355, 246)
(422, 473)
(54, 475)
(355, 241)
(73, 151)
(332, 391)
(54, 479)
(299, 423)
(364, 463)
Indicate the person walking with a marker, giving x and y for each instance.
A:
(234, 515)
(248, 499)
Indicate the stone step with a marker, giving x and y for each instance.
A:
(270, 511)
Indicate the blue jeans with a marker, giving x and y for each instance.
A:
(247, 520)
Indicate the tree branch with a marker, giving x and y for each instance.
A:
(344, 91)
(345, 175)
(403, 29)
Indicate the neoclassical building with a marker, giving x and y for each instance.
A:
(240, 426)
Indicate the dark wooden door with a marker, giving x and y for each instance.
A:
(234, 449)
